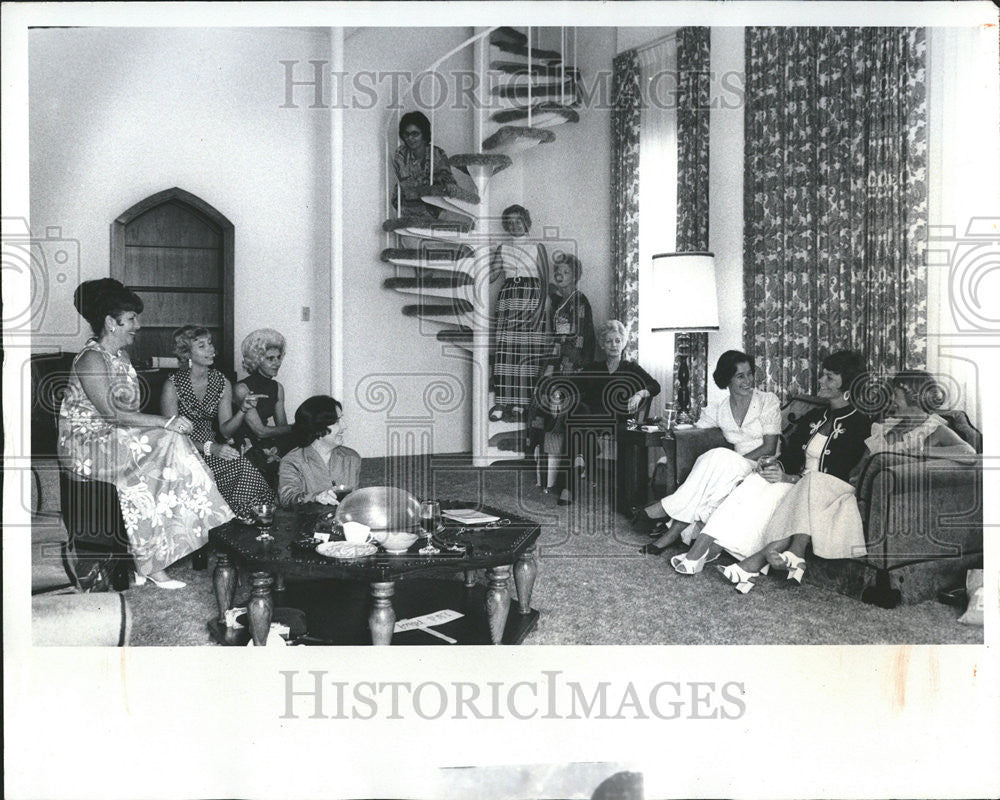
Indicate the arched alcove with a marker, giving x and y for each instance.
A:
(176, 252)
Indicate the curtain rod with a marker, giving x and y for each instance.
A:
(656, 42)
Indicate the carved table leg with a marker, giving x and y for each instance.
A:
(470, 578)
(382, 618)
(497, 601)
(261, 607)
(525, 570)
(224, 579)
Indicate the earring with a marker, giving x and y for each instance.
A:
(190, 363)
(847, 395)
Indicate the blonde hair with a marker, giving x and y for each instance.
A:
(256, 345)
(611, 325)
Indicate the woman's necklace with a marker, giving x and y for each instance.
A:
(562, 305)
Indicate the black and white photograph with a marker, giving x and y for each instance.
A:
(638, 358)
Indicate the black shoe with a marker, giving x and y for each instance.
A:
(643, 523)
(652, 550)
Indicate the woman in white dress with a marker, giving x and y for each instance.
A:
(751, 422)
(822, 510)
(830, 439)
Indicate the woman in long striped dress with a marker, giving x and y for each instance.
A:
(522, 341)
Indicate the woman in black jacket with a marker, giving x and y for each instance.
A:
(824, 447)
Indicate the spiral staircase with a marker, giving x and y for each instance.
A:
(443, 264)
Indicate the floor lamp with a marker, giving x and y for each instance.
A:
(685, 301)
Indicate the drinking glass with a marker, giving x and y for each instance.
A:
(766, 461)
(341, 491)
(265, 516)
(430, 517)
(430, 521)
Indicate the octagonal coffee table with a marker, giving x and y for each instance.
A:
(334, 594)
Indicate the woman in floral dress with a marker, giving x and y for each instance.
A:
(167, 496)
(204, 396)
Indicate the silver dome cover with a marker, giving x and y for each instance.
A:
(381, 508)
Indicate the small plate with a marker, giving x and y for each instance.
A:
(345, 550)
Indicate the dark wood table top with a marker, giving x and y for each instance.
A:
(483, 547)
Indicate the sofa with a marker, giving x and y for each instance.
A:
(922, 516)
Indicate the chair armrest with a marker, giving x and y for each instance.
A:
(72, 619)
(916, 507)
(682, 449)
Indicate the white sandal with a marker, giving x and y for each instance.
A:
(691, 566)
(734, 573)
(787, 560)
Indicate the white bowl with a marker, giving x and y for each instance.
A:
(395, 541)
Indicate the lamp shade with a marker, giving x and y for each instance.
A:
(684, 292)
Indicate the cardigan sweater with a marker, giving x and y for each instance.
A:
(844, 448)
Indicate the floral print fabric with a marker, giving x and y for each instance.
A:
(626, 110)
(835, 200)
(693, 105)
(167, 496)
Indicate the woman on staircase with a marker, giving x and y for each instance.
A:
(167, 496)
(412, 165)
(205, 397)
(522, 341)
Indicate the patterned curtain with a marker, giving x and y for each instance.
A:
(625, 113)
(835, 199)
(693, 90)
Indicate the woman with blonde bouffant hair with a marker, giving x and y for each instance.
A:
(265, 435)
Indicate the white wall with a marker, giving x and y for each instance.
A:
(382, 348)
(119, 114)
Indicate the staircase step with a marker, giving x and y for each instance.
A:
(543, 115)
(453, 281)
(451, 309)
(449, 192)
(462, 335)
(451, 198)
(509, 441)
(507, 34)
(480, 167)
(557, 88)
(519, 69)
(548, 57)
(428, 228)
(469, 161)
(516, 138)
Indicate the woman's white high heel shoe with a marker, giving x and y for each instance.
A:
(170, 583)
(744, 580)
(688, 566)
(788, 561)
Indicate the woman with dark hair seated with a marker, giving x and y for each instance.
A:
(264, 435)
(167, 496)
(821, 509)
(204, 395)
(412, 165)
(320, 462)
(610, 389)
(751, 421)
(828, 441)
